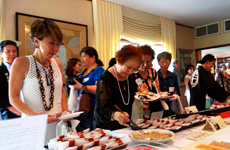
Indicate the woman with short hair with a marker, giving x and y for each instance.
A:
(38, 77)
(116, 86)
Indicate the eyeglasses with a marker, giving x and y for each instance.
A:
(146, 62)
(130, 68)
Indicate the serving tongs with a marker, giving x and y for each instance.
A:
(141, 131)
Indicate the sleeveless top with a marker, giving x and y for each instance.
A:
(31, 95)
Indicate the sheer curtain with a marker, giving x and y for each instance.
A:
(141, 32)
(168, 32)
(2, 22)
(108, 27)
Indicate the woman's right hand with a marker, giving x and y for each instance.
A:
(52, 119)
(122, 118)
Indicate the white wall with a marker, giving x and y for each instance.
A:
(76, 11)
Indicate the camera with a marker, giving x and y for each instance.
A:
(72, 82)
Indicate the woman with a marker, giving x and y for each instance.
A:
(203, 83)
(72, 69)
(89, 78)
(116, 86)
(149, 79)
(168, 80)
(39, 77)
(188, 71)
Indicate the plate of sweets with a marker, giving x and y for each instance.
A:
(66, 115)
(152, 135)
(149, 96)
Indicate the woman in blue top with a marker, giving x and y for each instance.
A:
(89, 78)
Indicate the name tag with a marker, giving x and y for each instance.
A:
(171, 89)
(139, 81)
(85, 80)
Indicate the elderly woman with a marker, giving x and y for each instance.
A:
(116, 86)
(38, 77)
(149, 78)
(203, 83)
(168, 80)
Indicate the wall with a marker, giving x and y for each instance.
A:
(184, 40)
(76, 11)
(213, 40)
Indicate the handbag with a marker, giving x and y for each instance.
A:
(84, 101)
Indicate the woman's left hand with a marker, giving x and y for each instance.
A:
(78, 85)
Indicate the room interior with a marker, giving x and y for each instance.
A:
(81, 11)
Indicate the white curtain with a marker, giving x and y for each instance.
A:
(2, 22)
(107, 29)
(141, 32)
(168, 32)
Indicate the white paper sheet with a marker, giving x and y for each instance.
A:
(23, 133)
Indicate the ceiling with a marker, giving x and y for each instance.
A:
(191, 13)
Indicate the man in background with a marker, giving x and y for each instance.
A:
(176, 67)
(8, 52)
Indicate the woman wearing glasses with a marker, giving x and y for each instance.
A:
(149, 80)
(116, 86)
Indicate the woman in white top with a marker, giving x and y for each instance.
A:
(39, 77)
(189, 70)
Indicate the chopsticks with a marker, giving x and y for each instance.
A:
(130, 120)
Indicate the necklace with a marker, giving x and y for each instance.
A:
(42, 89)
(120, 88)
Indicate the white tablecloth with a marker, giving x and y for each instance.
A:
(180, 137)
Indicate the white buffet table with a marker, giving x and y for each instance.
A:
(179, 140)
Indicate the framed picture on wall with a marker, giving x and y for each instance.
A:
(185, 58)
(75, 37)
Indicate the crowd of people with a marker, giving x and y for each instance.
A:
(36, 85)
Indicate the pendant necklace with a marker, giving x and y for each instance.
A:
(120, 88)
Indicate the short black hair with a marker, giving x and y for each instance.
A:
(208, 57)
(188, 67)
(7, 42)
(165, 55)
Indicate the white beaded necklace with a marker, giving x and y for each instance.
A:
(120, 88)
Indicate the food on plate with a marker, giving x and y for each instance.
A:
(145, 148)
(64, 113)
(220, 144)
(146, 96)
(153, 135)
(164, 94)
(86, 139)
(171, 123)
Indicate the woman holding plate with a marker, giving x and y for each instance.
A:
(147, 80)
(37, 78)
(117, 87)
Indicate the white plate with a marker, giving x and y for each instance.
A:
(70, 115)
(152, 141)
(157, 96)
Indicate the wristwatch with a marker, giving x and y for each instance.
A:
(112, 116)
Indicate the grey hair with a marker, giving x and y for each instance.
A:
(165, 55)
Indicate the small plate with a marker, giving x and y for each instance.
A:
(152, 141)
(70, 115)
(157, 96)
(164, 93)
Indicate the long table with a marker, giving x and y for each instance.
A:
(180, 139)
